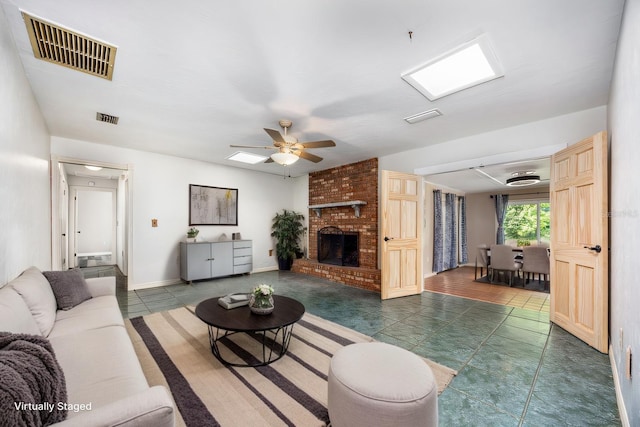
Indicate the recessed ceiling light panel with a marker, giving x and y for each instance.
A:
(465, 66)
(241, 156)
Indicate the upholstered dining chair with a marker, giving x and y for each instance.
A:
(502, 259)
(482, 261)
(536, 260)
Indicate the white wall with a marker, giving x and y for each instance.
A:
(567, 129)
(160, 189)
(624, 132)
(25, 216)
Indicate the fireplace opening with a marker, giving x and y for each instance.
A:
(338, 247)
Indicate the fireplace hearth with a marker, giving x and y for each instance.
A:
(338, 247)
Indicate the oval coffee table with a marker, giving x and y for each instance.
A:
(274, 330)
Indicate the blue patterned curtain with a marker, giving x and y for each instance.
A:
(438, 234)
(501, 201)
(451, 232)
(464, 257)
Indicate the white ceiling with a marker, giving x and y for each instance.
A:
(195, 76)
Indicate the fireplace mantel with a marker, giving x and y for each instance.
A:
(355, 204)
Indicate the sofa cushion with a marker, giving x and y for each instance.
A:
(69, 288)
(15, 315)
(95, 313)
(100, 366)
(36, 292)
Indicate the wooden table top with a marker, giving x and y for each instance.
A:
(286, 311)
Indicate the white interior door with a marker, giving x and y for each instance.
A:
(63, 192)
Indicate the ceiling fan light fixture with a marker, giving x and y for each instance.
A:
(522, 180)
(284, 159)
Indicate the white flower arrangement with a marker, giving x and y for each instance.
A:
(263, 290)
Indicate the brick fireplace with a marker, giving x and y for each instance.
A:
(340, 188)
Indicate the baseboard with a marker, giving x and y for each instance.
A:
(158, 284)
(264, 269)
(624, 418)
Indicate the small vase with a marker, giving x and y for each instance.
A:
(261, 305)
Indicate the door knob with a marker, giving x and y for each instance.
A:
(386, 239)
(596, 248)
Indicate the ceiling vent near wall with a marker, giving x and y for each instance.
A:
(56, 44)
(429, 114)
(102, 117)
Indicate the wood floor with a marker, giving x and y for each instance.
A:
(459, 282)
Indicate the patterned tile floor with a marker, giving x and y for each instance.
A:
(514, 367)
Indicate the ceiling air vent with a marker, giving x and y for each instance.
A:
(62, 46)
(101, 117)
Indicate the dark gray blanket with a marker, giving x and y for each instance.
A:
(31, 382)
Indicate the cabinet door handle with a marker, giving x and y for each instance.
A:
(210, 259)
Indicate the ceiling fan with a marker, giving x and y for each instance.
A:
(289, 150)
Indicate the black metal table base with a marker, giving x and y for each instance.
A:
(275, 343)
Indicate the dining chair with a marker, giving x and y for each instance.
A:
(502, 260)
(481, 261)
(536, 260)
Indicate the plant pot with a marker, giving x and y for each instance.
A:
(285, 263)
(261, 305)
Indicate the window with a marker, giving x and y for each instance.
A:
(527, 223)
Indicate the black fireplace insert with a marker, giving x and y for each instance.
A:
(338, 247)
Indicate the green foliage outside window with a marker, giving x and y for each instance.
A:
(521, 222)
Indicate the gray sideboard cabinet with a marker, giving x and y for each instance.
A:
(206, 260)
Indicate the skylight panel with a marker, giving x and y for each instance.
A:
(252, 159)
(465, 66)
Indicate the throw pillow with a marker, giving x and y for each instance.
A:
(69, 288)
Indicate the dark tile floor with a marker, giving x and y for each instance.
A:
(514, 367)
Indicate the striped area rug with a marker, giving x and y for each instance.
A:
(173, 348)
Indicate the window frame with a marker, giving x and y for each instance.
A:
(537, 202)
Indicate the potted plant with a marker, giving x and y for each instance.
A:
(287, 228)
(192, 233)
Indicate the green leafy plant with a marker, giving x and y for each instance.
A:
(286, 229)
(192, 232)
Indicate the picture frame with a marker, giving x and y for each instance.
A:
(212, 205)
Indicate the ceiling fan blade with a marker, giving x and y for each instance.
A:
(275, 135)
(318, 144)
(266, 147)
(308, 156)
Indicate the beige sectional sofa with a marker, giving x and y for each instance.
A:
(93, 349)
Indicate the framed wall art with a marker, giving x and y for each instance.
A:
(212, 205)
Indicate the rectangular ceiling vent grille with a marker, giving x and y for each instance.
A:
(429, 114)
(68, 48)
(101, 117)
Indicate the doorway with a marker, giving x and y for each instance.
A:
(93, 226)
(90, 214)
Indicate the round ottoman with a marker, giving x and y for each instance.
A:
(378, 384)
